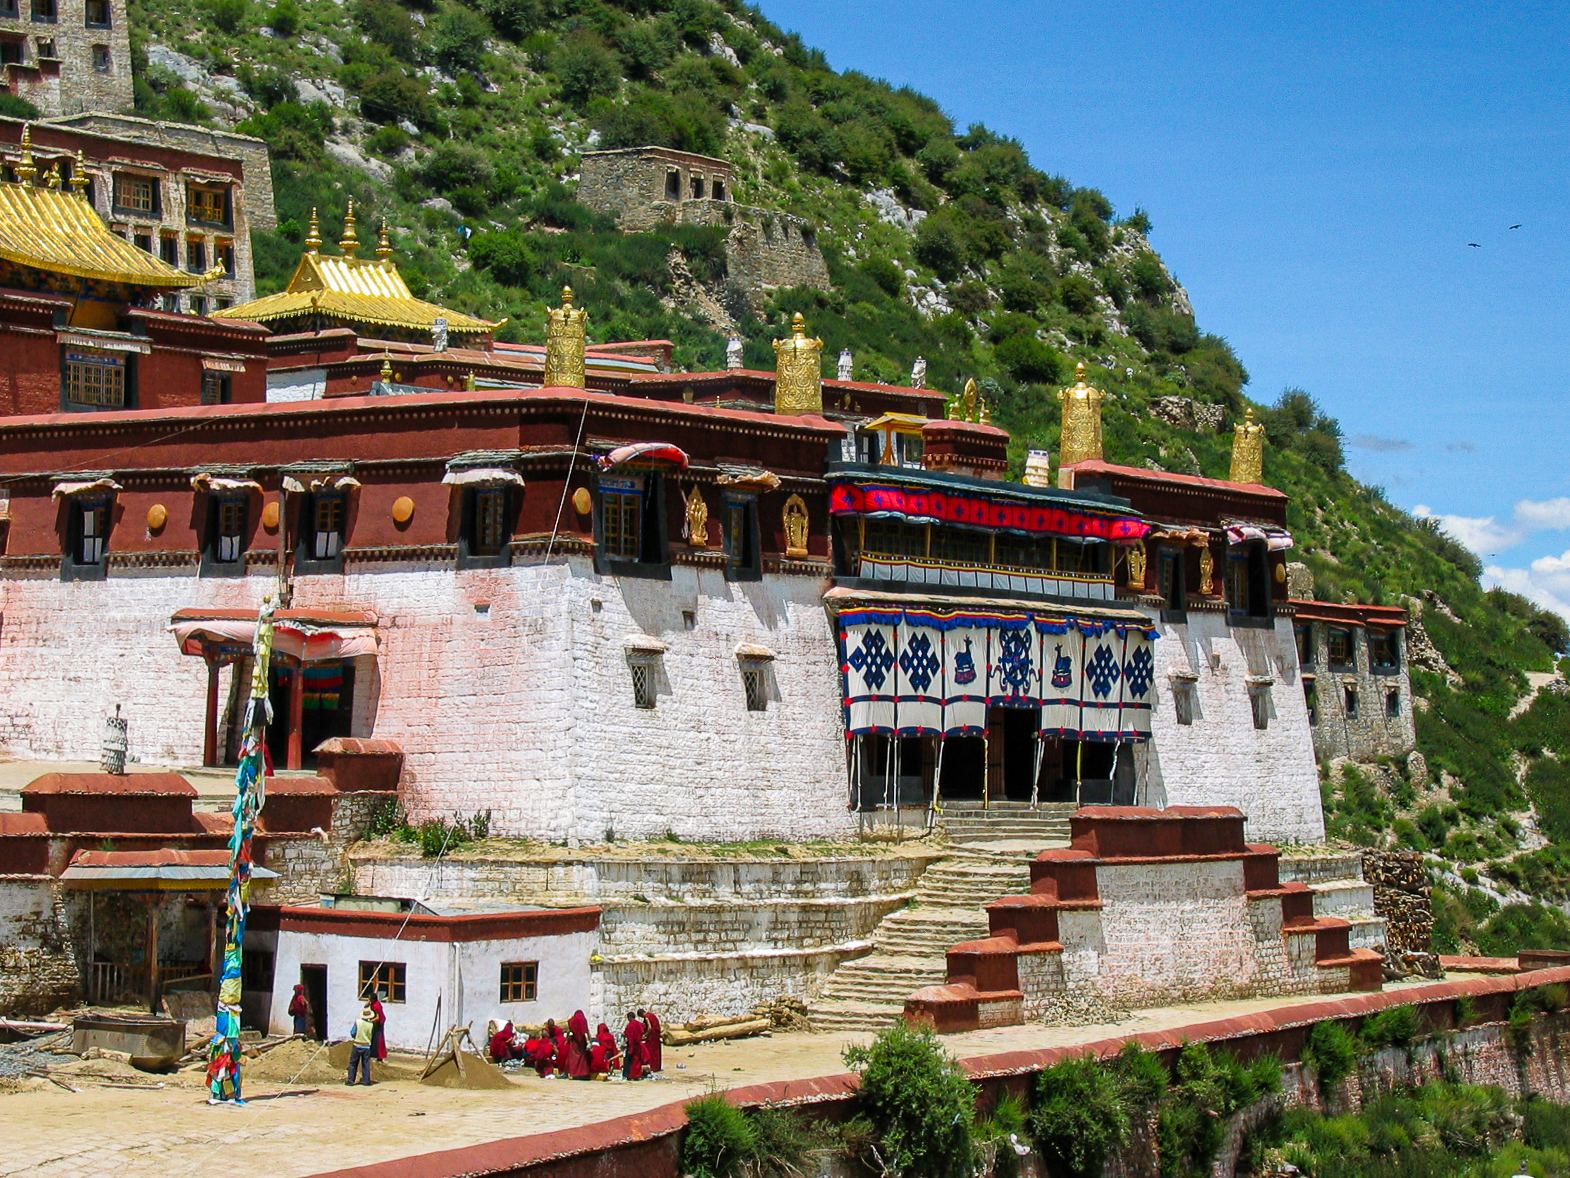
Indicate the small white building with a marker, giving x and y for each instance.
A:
(434, 967)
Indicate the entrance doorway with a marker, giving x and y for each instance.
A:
(1011, 752)
(314, 979)
(327, 711)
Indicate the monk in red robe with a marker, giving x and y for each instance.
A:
(577, 1047)
(502, 1049)
(559, 1049)
(603, 1056)
(653, 1049)
(634, 1064)
(542, 1055)
(379, 1039)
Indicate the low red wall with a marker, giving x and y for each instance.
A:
(647, 1145)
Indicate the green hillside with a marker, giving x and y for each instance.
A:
(451, 119)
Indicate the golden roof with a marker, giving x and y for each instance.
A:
(356, 290)
(49, 228)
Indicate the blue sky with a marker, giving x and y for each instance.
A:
(1315, 174)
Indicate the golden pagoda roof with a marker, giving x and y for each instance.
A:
(356, 290)
(51, 228)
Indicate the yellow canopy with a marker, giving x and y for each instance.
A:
(56, 230)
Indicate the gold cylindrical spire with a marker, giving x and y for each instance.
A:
(313, 236)
(25, 172)
(1248, 451)
(798, 374)
(350, 241)
(1081, 421)
(566, 336)
(79, 180)
(384, 247)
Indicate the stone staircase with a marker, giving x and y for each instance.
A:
(1339, 890)
(991, 855)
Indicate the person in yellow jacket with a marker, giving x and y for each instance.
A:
(360, 1042)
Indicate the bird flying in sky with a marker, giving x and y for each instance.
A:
(1515, 226)
(1474, 245)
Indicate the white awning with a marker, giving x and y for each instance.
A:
(213, 482)
(1276, 539)
(643, 644)
(752, 652)
(323, 482)
(483, 476)
(307, 639)
(83, 487)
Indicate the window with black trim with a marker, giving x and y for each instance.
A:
(755, 682)
(488, 532)
(256, 969)
(520, 981)
(1392, 704)
(224, 252)
(206, 204)
(743, 552)
(1259, 703)
(13, 50)
(215, 388)
(630, 526)
(99, 15)
(1304, 633)
(198, 304)
(1349, 699)
(1311, 700)
(95, 378)
(87, 538)
(672, 185)
(136, 194)
(1174, 579)
(1248, 580)
(45, 11)
(103, 62)
(9, 8)
(621, 511)
(1384, 650)
(196, 255)
(643, 693)
(323, 520)
(169, 250)
(144, 242)
(227, 517)
(1338, 646)
(389, 979)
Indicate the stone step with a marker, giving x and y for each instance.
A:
(1346, 898)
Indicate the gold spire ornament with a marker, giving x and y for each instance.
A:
(1248, 451)
(798, 373)
(349, 243)
(566, 336)
(25, 171)
(79, 179)
(313, 236)
(387, 372)
(384, 249)
(1081, 421)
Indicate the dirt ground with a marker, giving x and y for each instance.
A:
(299, 1125)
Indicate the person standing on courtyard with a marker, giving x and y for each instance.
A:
(577, 1046)
(360, 1041)
(558, 1047)
(653, 1048)
(379, 1046)
(633, 1062)
(300, 1011)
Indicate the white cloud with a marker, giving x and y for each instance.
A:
(1546, 581)
(1487, 536)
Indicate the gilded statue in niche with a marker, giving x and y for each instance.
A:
(1136, 565)
(795, 527)
(970, 405)
(798, 375)
(697, 519)
(1248, 451)
(1207, 571)
(566, 335)
(1081, 420)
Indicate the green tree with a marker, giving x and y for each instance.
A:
(919, 1100)
(458, 39)
(587, 67)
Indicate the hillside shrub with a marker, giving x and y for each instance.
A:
(1332, 1052)
(1191, 1122)
(1396, 1026)
(718, 1141)
(392, 96)
(1077, 295)
(14, 106)
(941, 248)
(514, 19)
(458, 39)
(228, 15)
(1081, 1116)
(285, 20)
(919, 1101)
(683, 121)
(389, 25)
(586, 67)
(1028, 359)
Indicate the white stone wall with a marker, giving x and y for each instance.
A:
(297, 384)
(1222, 759)
(465, 979)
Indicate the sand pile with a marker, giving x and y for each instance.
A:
(477, 1073)
(299, 1061)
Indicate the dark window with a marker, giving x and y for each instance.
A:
(144, 242)
(226, 531)
(136, 194)
(87, 538)
(719, 190)
(1392, 704)
(520, 981)
(1338, 645)
(488, 532)
(743, 553)
(754, 680)
(1384, 650)
(1304, 633)
(101, 59)
(98, 14)
(631, 526)
(623, 515)
(388, 978)
(1349, 696)
(642, 682)
(169, 247)
(1311, 699)
(1174, 587)
(225, 252)
(198, 304)
(256, 969)
(12, 50)
(1183, 702)
(215, 388)
(45, 48)
(697, 188)
(94, 379)
(672, 185)
(44, 10)
(1248, 580)
(892, 537)
(206, 204)
(962, 545)
(196, 255)
(1259, 701)
(8, 8)
(324, 541)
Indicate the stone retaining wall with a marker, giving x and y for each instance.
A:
(38, 970)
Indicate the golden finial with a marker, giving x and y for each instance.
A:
(566, 337)
(349, 242)
(468, 381)
(984, 413)
(25, 172)
(798, 373)
(313, 237)
(1248, 451)
(1081, 434)
(79, 180)
(384, 247)
(387, 372)
(52, 177)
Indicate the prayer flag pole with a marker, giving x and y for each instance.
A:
(250, 792)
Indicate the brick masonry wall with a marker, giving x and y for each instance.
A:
(72, 83)
(1222, 759)
(1372, 731)
(38, 960)
(722, 985)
